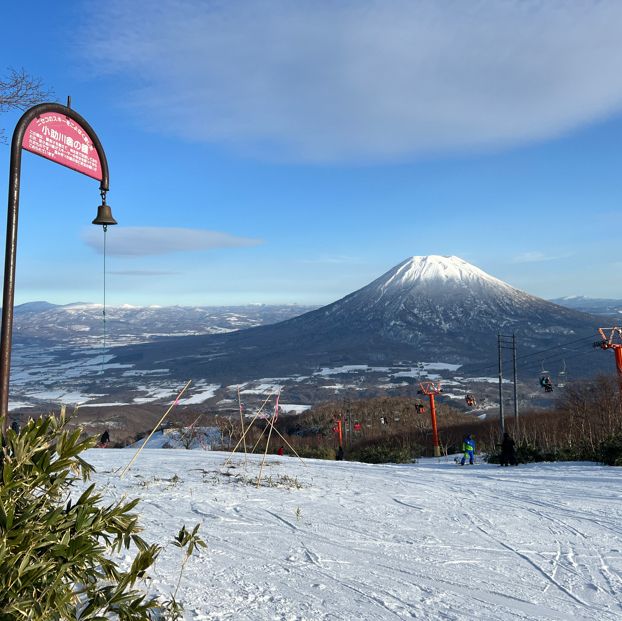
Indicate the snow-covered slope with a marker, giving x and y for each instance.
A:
(319, 541)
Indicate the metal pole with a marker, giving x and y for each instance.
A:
(514, 373)
(437, 448)
(8, 292)
(501, 418)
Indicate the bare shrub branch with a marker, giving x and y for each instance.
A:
(20, 91)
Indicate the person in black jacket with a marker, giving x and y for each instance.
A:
(508, 452)
(104, 440)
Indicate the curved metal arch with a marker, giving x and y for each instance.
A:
(32, 113)
(8, 293)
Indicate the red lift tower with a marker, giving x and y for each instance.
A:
(431, 390)
(612, 341)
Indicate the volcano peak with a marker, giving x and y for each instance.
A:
(439, 270)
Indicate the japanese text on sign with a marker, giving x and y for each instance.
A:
(62, 140)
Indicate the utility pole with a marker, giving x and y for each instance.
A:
(501, 417)
(507, 342)
(515, 382)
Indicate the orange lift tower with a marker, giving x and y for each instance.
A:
(613, 341)
(431, 390)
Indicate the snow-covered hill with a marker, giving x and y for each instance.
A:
(319, 541)
(81, 324)
(597, 306)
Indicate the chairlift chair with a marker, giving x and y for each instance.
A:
(545, 379)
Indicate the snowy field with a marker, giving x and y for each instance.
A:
(349, 541)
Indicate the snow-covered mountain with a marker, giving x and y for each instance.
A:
(81, 324)
(425, 308)
(435, 295)
(597, 306)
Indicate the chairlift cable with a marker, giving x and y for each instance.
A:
(577, 354)
(573, 354)
(537, 353)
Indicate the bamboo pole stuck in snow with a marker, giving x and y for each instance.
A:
(271, 423)
(242, 425)
(243, 438)
(263, 461)
(289, 445)
(183, 390)
(259, 439)
(293, 450)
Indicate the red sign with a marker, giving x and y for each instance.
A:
(61, 139)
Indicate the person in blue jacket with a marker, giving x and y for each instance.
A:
(468, 448)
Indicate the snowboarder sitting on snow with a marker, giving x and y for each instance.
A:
(468, 448)
(508, 453)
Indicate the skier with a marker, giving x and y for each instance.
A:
(468, 448)
(280, 451)
(339, 456)
(508, 454)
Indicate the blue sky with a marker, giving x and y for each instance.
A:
(291, 152)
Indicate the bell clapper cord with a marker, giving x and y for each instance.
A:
(105, 229)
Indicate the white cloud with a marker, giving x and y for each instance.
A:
(364, 80)
(536, 256)
(142, 241)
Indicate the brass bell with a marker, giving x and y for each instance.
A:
(104, 215)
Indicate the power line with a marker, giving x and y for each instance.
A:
(536, 353)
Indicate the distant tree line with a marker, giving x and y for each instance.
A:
(585, 423)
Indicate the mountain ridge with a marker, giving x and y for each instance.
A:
(425, 308)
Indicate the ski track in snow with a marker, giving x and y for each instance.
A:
(330, 541)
